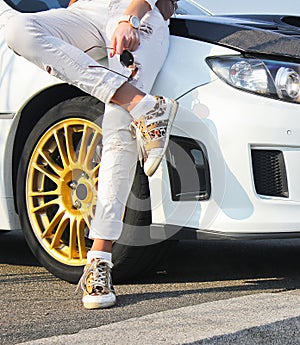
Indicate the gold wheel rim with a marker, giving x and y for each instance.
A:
(61, 188)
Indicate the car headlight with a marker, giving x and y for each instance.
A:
(270, 78)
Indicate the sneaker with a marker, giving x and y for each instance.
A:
(152, 132)
(98, 291)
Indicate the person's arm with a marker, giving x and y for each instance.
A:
(138, 8)
(125, 36)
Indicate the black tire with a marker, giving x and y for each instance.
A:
(54, 248)
(136, 254)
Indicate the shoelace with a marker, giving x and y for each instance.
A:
(100, 278)
(139, 137)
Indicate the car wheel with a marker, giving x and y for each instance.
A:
(57, 190)
(57, 184)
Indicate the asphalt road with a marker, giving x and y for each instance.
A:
(35, 304)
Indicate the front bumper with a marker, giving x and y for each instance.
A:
(232, 125)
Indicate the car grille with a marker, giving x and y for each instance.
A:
(269, 173)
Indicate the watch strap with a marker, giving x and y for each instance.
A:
(124, 18)
(129, 19)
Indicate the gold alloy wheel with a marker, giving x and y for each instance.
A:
(61, 188)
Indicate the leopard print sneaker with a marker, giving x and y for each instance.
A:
(152, 132)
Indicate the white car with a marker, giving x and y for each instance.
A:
(231, 170)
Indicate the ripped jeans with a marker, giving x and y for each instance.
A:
(65, 42)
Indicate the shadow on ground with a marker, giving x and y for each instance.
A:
(14, 249)
(264, 263)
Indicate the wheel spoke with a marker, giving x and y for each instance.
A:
(53, 165)
(81, 239)
(95, 173)
(48, 233)
(86, 219)
(84, 145)
(44, 171)
(69, 144)
(42, 194)
(57, 241)
(59, 138)
(92, 148)
(72, 238)
(46, 205)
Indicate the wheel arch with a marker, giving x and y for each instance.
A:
(30, 113)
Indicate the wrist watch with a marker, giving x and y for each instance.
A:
(134, 21)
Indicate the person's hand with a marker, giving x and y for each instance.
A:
(125, 37)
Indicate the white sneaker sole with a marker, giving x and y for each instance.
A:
(98, 302)
(150, 170)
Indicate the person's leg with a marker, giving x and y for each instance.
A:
(57, 40)
(119, 156)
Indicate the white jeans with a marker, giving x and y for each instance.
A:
(65, 42)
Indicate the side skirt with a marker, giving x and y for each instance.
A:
(174, 232)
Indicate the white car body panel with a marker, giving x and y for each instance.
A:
(228, 130)
(8, 219)
(20, 80)
(22, 74)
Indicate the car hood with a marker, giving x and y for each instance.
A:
(254, 34)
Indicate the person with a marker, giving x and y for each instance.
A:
(66, 42)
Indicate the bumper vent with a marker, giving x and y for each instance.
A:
(188, 169)
(269, 173)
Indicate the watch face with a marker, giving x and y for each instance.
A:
(135, 22)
